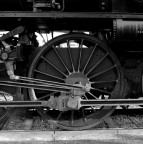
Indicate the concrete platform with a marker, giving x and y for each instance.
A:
(112, 136)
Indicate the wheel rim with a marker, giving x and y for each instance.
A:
(78, 58)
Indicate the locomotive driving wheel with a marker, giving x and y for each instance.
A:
(7, 94)
(77, 59)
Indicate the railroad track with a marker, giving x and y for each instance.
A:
(23, 119)
(27, 127)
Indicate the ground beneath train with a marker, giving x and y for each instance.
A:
(27, 127)
(23, 119)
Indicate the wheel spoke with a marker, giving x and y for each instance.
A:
(110, 81)
(95, 75)
(90, 70)
(72, 117)
(89, 58)
(53, 66)
(103, 91)
(47, 95)
(61, 60)
(48, 75)
(92, 95)
(68, 46)
(85, 97)
(80, 52)
(60, 114)
(84, 118)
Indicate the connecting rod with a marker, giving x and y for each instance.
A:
(41, 84)
(76, 106)
(50, 83)
(34, 86)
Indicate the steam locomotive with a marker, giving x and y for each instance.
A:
(98, 56)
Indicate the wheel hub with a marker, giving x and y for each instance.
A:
(78, 79)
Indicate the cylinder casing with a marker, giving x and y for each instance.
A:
(127, 29)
